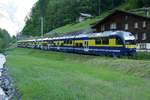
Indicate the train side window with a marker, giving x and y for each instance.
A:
(70, 42)
(65, 41)
(105, 41)
(118, 41)
(81, 45)
(62, 44)
(76, 44)
(50, 42)
(98, 41)
(58, 43)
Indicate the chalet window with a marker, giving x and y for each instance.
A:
(113, 26)
(144, 24)
(135, 25)
(143, 46)
(136, 36)
(126, 26)
(144, 36)
(94, 30)
(103, 28)
(126, 17)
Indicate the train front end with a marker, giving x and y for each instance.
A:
(129, 43)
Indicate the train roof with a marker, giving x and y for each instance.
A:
(122, 34)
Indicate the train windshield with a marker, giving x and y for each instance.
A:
(130, 42)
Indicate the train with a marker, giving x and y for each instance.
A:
(108, 43)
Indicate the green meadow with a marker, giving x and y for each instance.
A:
(47, 75)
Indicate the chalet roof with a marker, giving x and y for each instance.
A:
(86, 15)
(120, 11)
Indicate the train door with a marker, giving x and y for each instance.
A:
(58, 45)
(86, 45)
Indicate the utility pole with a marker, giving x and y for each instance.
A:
(42, 16)
(99, 7)
(112, 3)
(42, 26)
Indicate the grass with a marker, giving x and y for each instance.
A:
(143, 55)
(46, 75)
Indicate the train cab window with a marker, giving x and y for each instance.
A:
(98, 41)
(118, 41)
(105, 41)
(130, 42)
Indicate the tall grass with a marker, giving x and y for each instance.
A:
(143, 55)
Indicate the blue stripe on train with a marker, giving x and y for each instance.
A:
(96, 50)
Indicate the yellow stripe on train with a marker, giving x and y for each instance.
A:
(131, 46)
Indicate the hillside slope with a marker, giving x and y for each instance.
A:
(78, 26)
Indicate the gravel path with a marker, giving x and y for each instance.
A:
(2, 62)
(8, 90)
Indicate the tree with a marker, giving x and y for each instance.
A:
(4, 39)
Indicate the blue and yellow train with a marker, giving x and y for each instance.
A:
(113, 43)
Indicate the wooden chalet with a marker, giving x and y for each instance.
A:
(126, 21)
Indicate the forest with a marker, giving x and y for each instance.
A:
(4, 39)
(61, 12)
